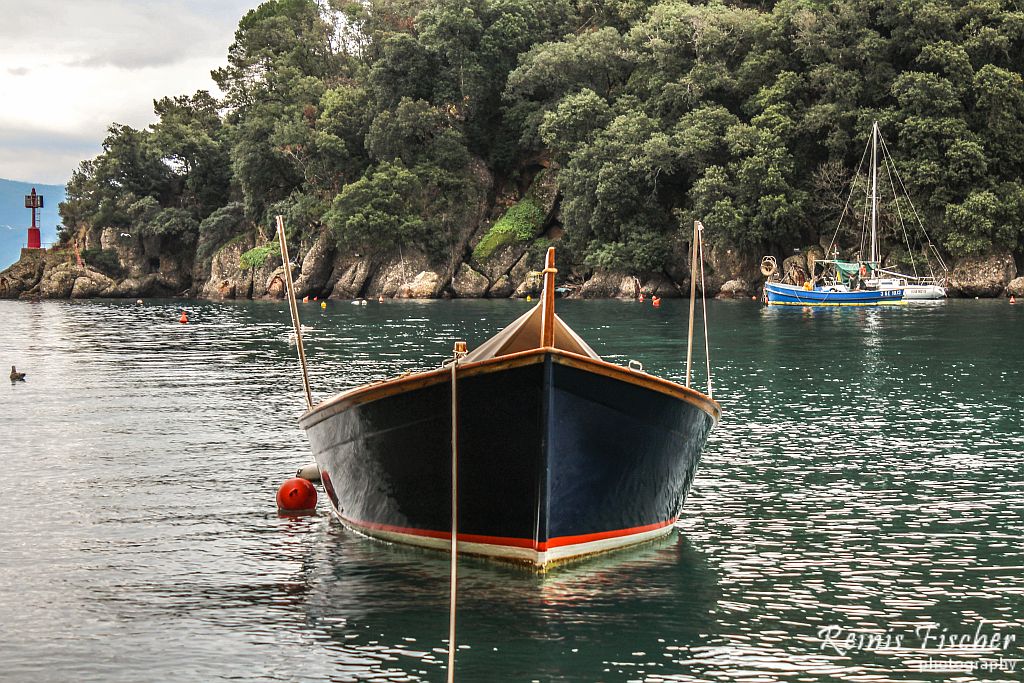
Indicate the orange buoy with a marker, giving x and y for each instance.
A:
(305, 299)
(296, 496)
(641, 299)
(656, 301)
(184, 318)
(1012, 300)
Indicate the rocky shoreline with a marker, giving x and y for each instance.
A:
(489, 256)
(322, 271)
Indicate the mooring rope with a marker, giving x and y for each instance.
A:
(460, 351)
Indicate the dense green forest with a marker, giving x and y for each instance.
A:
(372, 118)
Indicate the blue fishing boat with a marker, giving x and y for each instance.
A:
(779, 294)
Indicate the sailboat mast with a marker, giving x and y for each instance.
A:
(874, 192)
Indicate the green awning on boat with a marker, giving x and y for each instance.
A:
(847, 269)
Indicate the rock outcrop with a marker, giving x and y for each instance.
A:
(227, 278)
(425, 285)
(317, 266)
(985, 276)
(1016, 287)
(469, 283)
(736, 289)
(23, 277)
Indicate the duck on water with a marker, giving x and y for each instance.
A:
(17, 376)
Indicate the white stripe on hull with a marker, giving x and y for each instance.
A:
(539, 559)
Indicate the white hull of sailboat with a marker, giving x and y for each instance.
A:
(922, 292)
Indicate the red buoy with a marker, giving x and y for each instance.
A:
(641, 299)
(184, 318)
(296, 496)
(1012, 300)
(656, 300)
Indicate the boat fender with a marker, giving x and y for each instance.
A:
(807, 286)
(309, 472)
(296, 497)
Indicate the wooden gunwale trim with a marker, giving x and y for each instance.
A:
(373, 392)
(639, 378)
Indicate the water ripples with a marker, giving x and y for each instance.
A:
(866, 477)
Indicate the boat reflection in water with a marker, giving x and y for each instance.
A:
(381, 611)
(561, 454)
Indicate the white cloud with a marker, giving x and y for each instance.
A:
(70, 69)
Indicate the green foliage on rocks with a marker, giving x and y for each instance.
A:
(373, 118)
(519, 224)
(257, 256)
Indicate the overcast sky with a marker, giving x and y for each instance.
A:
(69, 68)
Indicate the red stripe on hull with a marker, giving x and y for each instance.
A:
(559, 542)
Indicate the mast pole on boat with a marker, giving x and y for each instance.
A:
(547, 324)
(874, 192)
(693, 300)
(293, 308)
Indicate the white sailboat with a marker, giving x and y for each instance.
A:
(869, 274)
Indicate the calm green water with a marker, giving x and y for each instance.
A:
(867, 477)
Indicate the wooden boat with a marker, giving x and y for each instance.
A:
(561, 454)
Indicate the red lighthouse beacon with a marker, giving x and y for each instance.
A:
(35, 202)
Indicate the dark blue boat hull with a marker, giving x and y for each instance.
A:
(557, 458)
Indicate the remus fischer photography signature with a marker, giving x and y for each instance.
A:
(927, 638)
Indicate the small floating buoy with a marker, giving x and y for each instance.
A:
(184, 318)
(641, 299)
(529, 298)
(309, 472)
(753, 298)
(323, 304)
(656, 301)
(305, 299)
(138, 302)
(314, 298)
(1012, 300)
(296, 497)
